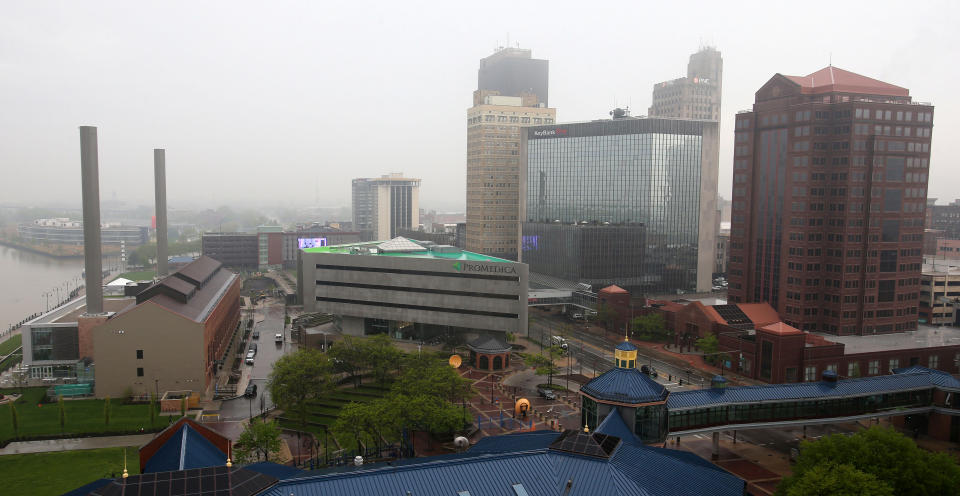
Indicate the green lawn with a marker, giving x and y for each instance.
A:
(10, 361)
(142, 275)
(11, 344)
(55, 473)
(82, 417)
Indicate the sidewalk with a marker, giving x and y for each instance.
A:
(81, 443)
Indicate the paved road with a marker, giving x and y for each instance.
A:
(596, 354)
(268, 352)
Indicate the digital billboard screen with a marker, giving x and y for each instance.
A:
(311, 242)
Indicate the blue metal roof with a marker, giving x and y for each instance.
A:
(626, 346)
(632, 469)
(937, 377)
(807, 390)
(184, 450)
(625, 386)
(509, 443)
(274, 470)
(614, 425)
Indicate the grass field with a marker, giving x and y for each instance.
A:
(142, 275)
(53, 473)
(11, 344)
(82, 417)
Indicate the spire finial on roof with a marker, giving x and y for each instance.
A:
(586, 429)
(125, 474)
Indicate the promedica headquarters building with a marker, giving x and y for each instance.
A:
(625, 201)
(414, 289)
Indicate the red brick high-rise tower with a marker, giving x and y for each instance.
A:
(829, 191)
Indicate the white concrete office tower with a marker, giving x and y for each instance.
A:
(414, 290)
(383, 205)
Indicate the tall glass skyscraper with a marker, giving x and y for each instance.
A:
(642, 193)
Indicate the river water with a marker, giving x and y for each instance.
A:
(29, 282)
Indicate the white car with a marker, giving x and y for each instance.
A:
(250, 355)
(278, 337)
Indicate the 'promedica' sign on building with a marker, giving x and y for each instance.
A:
(625, 201)
(415, 293)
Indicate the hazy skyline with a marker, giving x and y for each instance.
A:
(256, 103)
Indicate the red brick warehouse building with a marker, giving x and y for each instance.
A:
(829, 191)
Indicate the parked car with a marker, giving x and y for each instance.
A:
(278, 337)
(256, 334)
(251, 391)
(546, 393)
(253, 348)
(249, 360)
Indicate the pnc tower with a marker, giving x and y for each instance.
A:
(829, 191)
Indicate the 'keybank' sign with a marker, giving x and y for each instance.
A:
(485, 269)
(550, 132)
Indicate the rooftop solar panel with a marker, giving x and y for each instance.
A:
(210, 481)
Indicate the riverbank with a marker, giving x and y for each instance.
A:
(55, 251)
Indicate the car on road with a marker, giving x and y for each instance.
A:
(256, 334)
(251, 391)
(249, 360)
(278, 338)
(546, 393)
(252, 348)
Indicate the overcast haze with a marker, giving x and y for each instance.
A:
(257, 102)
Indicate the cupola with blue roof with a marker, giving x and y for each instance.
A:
(625, 355)
(626, 391)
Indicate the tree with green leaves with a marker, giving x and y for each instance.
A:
(15, 420)
(380, 356)
(433, 377)
(153, 408)
(61, 413)
(837, 480)
(606, 315)
(546, 364)
(883, 453)
(299, 377)
(650, 327)
(258, 439)
(347, 356)
(106, 411)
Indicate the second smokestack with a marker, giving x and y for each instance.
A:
(160, 191)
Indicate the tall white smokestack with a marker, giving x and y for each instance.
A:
(90, 181)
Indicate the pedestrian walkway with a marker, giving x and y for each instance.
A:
(80, 443)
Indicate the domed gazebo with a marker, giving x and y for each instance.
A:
(489, 352)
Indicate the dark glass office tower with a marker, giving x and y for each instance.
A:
(514, 72)
(641, 193)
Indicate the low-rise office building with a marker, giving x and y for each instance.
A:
(70, 232)
(939, 291)
(413, 289)
(270, 246)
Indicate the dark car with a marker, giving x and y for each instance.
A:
(546, 393)
(251, 391)
(256, 334)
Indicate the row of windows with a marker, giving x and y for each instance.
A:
(787, 409)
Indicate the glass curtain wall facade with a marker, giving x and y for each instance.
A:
(644, 173)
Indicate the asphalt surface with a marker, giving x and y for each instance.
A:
(268, 352)
(595, 353)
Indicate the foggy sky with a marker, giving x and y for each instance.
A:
(256, 103)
